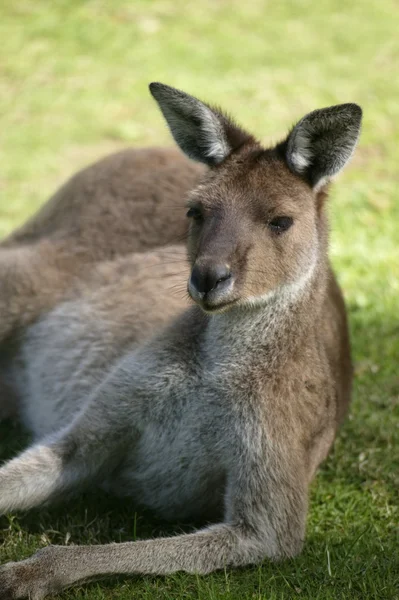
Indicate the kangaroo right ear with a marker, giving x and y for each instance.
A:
(323, 141)
(202, 132)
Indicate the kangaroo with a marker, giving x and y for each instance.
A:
(225, 413)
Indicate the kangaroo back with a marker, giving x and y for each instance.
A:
(127, 202)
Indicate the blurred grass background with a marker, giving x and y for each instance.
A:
(73, 87)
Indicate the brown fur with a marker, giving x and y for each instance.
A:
(237, 201)
(127, 202)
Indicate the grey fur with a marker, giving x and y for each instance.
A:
(223, 416)
(323, 141)
(202, 132)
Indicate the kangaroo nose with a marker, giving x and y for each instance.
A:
(204, 279)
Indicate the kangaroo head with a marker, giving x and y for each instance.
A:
(257, 225)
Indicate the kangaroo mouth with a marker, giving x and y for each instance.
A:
(215, 307)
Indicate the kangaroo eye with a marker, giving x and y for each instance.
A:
(194, 213)
(280, 224)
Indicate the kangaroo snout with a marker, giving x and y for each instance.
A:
(211, 284)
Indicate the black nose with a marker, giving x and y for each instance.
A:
(206, 278)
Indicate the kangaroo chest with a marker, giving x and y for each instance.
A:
(181, 462)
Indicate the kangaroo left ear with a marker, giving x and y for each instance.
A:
(202, 132)
(321, 144)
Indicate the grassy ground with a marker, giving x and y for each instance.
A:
(73, 87)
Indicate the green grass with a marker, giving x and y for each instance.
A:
(73, 86)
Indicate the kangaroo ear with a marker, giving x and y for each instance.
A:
(202, 132)
(323, 141)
